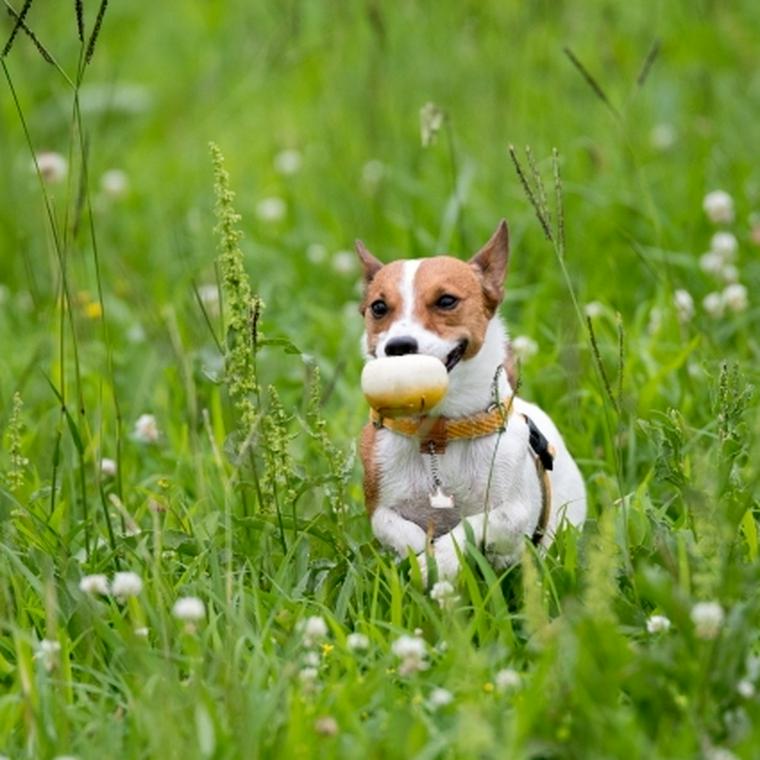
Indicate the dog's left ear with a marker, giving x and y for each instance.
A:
(490, 263)
(370, 265)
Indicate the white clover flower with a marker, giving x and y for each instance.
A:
(735, 297)
(440, 698)
(412, 651)
(357, 642)
(146, 429)
(94, 584)
(126, 584)
(47, 652)
(373, 173)
(107, 467)
(316, 253)
(593, 309)
(714, 305)
(719, 207)
(662, 136)
(711, 263)
(746, 688)
(725, 245)
(658, 624)
(409, 646)
(288, 162)
(444, 593)
(524, 347)
(311, 659)
(313, 629)
(308, 675)
(52, 166)
(344, 262)
(719, 753)
(189, 609)
(708, 619)
(507, 679)
(271, 209)
(684, 304)
(326, 725)
(114, 183)
(209, 296)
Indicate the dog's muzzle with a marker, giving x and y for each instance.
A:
(455, 355)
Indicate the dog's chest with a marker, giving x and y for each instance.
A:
(475, 473)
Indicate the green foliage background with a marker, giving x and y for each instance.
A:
(266, 540)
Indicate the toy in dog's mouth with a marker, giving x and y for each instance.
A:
(455, 355)
(398, 386)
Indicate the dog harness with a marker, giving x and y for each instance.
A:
(434, 433)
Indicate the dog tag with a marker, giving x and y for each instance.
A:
(440, 500)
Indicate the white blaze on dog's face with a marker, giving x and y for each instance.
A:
(439, 306)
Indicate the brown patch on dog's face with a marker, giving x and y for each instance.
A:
(383, 286)
(449, 302)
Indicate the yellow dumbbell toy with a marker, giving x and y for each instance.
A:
(399, 386)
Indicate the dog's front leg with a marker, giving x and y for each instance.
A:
(397, 533)
(500, 533)
(446, 548)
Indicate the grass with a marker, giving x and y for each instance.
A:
(249, 497)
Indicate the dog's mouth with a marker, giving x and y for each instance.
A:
(456, 354)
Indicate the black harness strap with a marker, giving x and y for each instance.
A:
(544, 463)
(539, 444)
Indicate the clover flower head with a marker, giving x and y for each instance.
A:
(288, 162)
(440, 697)
(126, 584)
(718, 205)
(357, 642)
(94, 584)
(271, 209)
(658, 624)
(735, 297)
(52, 166)
(524, 347)
(313, 628)
(507, 679)
(708, 619)
(684, 304)
(146, 429)
(189, 609)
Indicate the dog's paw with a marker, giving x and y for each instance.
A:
(446, 557)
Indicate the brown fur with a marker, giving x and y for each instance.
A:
(371, 477)
(468, 319)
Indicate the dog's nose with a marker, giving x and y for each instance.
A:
(401, 346)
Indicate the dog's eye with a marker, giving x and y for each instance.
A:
(379, 309)
(447, 301)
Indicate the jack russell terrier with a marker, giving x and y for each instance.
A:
(483, 463)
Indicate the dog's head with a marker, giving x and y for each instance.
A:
(440, 306)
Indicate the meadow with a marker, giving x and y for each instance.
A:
(186, 568)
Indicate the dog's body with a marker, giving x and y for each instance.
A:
(447, 308)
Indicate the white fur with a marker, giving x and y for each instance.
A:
(493, 480)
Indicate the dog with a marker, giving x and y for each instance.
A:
(483, 464)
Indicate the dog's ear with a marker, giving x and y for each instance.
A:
(490, 263)
(370, 265)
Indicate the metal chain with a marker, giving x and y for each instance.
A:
(435, 469)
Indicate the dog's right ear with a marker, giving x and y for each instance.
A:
(370, 265)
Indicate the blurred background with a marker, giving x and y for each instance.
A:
(316, 106)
